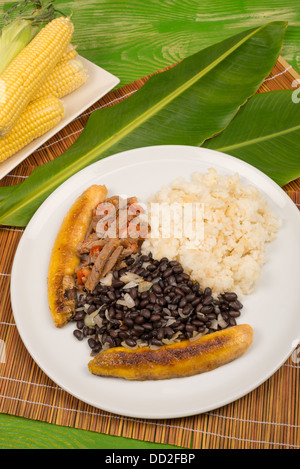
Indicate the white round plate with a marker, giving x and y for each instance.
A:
(272, 310)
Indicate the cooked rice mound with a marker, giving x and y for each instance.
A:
(238, 223)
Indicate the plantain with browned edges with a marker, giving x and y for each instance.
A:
(64, 258)
(177, 360)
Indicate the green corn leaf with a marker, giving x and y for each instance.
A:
(184, 105)
(266, 134)
(13, 39)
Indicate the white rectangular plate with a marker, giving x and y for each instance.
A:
(98, 84)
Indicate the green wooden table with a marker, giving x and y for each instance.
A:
(131, 39)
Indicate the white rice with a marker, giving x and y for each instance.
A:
(237, 225)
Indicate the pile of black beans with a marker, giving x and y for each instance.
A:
(174, 308)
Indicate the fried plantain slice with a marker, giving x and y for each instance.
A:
(180, 359)
(64, 258)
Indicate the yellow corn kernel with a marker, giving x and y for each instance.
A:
(22, 79)
(66, 77)
(40, 116)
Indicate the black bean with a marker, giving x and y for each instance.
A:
(80, 324)
(111, 295)
(207, 309)
(123, 335)
(232, 322)
(202, 317)
(234, 314)
(169, 331)
(190, 328)
(128, 322)
(97, 348)
(156, 342)
(179, 278)
(155, 317)
(157, 308)
(230, 296)
(236, 305)
(152, 298)
(185, 276)
(91, 343)
(144, 303)
(187, 309)
(183, 303)
(79, 315)
(196, 302)
(168, 289)
(184, 288)
(156, 288)
(177, 269)
(167, 273)
(133, 293)
(180, 327)
(178, 291)
(176, 299)
(211, 316)
(144, 295)
(113, 333)
(139, 320)
(117, 284)
(138, 329)
(91, 309)
(78, 334)
(207, 291)
(190, 297)
(146, 313)
(147, 326)
(130, 342)
(198, 323)
(172, 281)
(207, 300)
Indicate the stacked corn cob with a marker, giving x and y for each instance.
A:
(30, 87)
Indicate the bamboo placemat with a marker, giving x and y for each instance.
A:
(267, 418)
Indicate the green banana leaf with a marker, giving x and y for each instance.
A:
(184, 105)
(266, 134)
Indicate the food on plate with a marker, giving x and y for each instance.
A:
(64, 257)
(107, 241)
(22, 79)
(67, 76)
(40, 116)
(44, 68)
(238, 223)
(149, 316)
(177, 360)
(150, 303)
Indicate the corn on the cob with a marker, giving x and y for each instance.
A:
(27, 72)
(66, 77)
(40, 116)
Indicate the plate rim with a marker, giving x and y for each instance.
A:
(117, 410)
